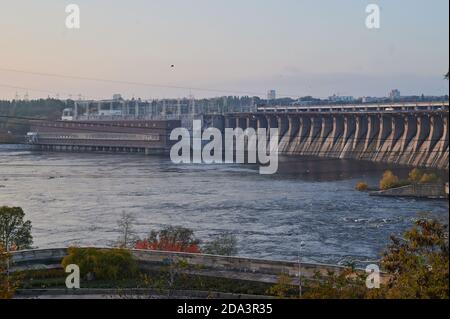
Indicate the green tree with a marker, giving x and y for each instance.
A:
(15, 233)
(175, 235)
(224, 245)
(103, 264)
(50, 109)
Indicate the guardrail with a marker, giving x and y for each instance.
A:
(383, 107)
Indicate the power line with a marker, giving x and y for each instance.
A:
(36, 90)
(135, 83)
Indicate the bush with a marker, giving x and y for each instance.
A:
(362, 186)
(284, 288)
(389, 181)
(346, 284)
(429, 178)
(224, 245)
(171, 238)
(104, 264)
(415, 175)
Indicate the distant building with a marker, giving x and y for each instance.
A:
(394, 94)
(303, 103)
(341, 99)
(117, 97)
(271, 95)
(370, 99)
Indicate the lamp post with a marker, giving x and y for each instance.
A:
(302, 244)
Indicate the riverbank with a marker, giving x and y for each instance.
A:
(427, 191)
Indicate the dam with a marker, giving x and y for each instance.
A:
(411, 134)
(416, 137)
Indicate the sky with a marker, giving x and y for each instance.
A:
(223, 47)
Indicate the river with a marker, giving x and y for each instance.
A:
(76, 199)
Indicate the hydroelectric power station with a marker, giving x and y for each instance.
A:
(414, 134)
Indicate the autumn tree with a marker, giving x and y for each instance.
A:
(389, 180)
(170, 238)
(429, 178)
(415, 175)
(362, 187)
(419, 262)
(15, 233)
(417, 266)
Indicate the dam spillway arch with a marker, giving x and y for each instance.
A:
(415, 138)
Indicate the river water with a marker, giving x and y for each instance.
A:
(76, 199)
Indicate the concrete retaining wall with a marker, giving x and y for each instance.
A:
(209, 265)
(431, 190)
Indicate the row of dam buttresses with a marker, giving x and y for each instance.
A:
(419, 139)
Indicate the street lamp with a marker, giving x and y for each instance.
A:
(302, 244)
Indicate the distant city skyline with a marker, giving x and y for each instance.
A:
(176, 48)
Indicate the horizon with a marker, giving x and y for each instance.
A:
(378, 99)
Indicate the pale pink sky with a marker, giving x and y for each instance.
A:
(306, 47)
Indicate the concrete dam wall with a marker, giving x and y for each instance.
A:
(416, 138)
